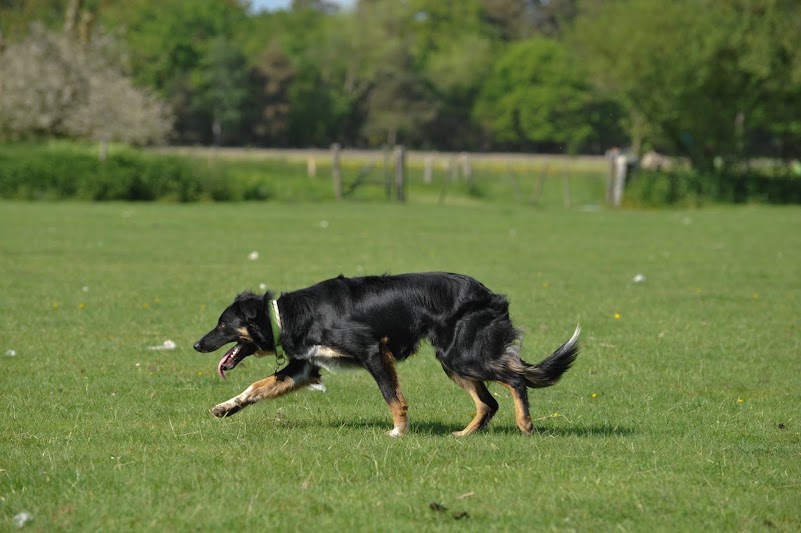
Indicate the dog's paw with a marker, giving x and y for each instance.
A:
(224, 409)
(396, 432)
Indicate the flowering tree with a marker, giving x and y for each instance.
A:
(51, 84)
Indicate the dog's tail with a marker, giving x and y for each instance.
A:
(548, 371)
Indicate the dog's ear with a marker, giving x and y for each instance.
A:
(250, 304)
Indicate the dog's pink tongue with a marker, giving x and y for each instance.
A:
(220, 370)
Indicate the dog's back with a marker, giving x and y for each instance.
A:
(404, 309)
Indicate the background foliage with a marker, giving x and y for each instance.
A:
(716, 84)
(716, 80)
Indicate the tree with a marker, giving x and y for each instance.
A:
(521, 19)
(17, 16)
(172, 45)
(271, 79)
(323, 6)
(398, 100)
(452, 50)
(770, 57)
(536, 96)
(697, 78)
(456, 71)
(52, 85)
(221, 89)
(39, 84)
(311, 99)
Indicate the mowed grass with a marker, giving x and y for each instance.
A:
(681, 413)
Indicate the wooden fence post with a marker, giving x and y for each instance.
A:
(619, 167)
(537, 192)
(567, 199)
(515, 184)
(400, 173)
(428, 170)
(388, 178)
(452, 169)
(336, 171)
(467, 168)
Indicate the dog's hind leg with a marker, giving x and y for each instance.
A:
(382, 367)
(486, 406)
(294, 376)
(520, 395)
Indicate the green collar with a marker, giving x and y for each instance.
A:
(275, 324)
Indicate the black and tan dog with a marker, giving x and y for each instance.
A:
(372, 322)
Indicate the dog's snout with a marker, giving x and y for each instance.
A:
(196, 346)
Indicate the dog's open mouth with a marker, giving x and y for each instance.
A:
(233, 356)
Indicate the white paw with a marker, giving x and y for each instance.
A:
(225, 409)
(396, 432)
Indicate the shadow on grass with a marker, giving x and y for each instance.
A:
(430, 427)
(598, 430)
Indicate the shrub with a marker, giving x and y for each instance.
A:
(693, 188)
(37, 173)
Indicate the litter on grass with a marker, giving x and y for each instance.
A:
(21, 519)
(166, 345)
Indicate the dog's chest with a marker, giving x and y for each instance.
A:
(325, 357)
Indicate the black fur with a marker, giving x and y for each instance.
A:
(373, 321)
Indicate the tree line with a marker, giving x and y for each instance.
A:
(716, 82)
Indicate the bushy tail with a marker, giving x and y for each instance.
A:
(548, 371)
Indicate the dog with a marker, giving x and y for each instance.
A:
(374, 321)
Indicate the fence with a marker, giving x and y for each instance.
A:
(477, 175)
(397, 174)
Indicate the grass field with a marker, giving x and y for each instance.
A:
(681, 413)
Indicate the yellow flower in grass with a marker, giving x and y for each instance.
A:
(616, 316)
(56, 305)
(594, 395)
(740, 400)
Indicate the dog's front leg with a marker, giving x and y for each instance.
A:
(296, 375)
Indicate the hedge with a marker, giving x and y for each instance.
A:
(35, 172)
(694, 188)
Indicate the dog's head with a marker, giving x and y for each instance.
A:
(243, 322)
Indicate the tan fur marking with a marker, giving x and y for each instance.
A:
(244, 334)
(483, 411)
(398, 408)
(389, 357)
(521, 411)
(399, 415)
(325, 351)
(270, 387)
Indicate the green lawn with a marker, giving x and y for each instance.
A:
(681, 413)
